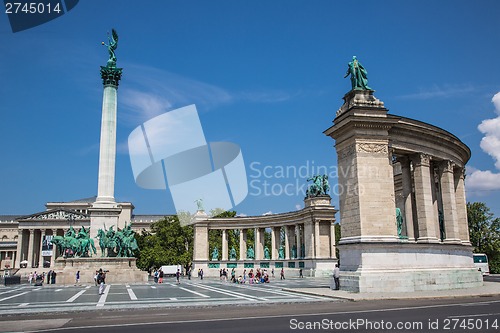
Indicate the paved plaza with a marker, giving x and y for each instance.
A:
(27, 298)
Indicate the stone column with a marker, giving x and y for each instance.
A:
(31, 246)
(287, 243)
(407, 197)
(461, 204)
(309, 240)
(274, 244)
(243, 244)
(298, 241)
(423, 197)
(54, 249)
(200, 250)
(333, 244)
(449, 202)
(43, 232)
(259, 241)
(224, 244)
(107, 150)
(317, 243)
(19, 250)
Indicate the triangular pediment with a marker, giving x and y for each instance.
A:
(56, 214)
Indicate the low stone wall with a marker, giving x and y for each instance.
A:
(120, 270)
(310, 267)
(380, 267)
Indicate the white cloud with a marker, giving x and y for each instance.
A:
(151, 91)
(483, 180)
(436, 91)
(490, 144)
(298, 207)
(267, 213)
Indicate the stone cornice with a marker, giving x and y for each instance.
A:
(56, 215)
(306, 215)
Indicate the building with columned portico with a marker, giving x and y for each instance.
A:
(22, 236)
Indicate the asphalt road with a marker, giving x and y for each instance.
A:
(444, 315)
(212, 306)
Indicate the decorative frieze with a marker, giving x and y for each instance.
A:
(58, 215)
(373, 148)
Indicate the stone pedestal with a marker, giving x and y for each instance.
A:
(382, 267)
(121, 270)
(103, 216)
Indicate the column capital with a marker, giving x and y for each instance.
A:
(111, 76)
(446, 166)
(421, 159)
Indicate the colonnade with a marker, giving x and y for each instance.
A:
(432, 199)
(30, 246)
(302, 239)
(293, 245)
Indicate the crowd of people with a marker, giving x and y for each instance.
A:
(259, 276)
(39, 278)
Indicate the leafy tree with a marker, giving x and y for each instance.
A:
(168, 243)
(484, 233)
(215, 235)
(338, 235)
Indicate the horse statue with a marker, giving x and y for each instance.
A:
(319, 186)
(106, 244)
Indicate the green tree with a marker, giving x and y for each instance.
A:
(215, 235)
(168, 243)
(338, 236)
(484, 233)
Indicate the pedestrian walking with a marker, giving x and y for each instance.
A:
(77, 278)
(101, 280)
(300, 273)
(336, 277)
(282, 274)
(178, 276)
(201, 273)
(161, 275)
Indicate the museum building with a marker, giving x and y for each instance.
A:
(25, 239)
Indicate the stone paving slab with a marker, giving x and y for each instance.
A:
(488, 289)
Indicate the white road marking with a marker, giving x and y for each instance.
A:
(173, 299)
(194, 292)
(232, 293)
(23, 304)
(72, 299)
(132, 294)
(16, 295)
(103, 297)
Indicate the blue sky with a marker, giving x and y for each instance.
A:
(266, 75)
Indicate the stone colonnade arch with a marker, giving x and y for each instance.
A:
(308, 244)
(404, 227)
